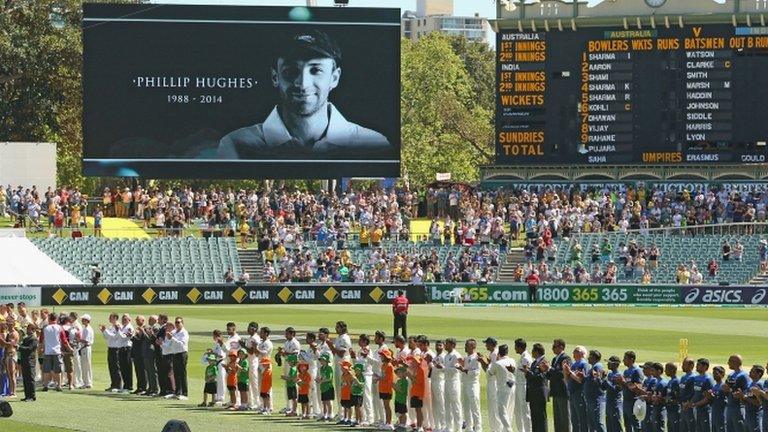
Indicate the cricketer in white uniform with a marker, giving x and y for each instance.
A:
(363, 356)
(253, 360)
(502, 372)
(470, 388)
(340, 346)
(521, 410)
(453, 410)
(491, 344)
(437, 387)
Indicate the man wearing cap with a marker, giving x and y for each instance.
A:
(86, 348)
(490, 390)
(522, 412)
(612, 396)
(305, 122)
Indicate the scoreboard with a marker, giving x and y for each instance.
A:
(608, 96)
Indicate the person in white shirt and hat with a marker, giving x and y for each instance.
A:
(85, 352)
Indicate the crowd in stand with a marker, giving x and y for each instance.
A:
(293, 229)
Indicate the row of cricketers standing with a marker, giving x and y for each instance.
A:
(452, 392)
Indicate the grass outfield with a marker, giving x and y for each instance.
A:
(654, 333)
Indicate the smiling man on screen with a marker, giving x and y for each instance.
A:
(305, 123)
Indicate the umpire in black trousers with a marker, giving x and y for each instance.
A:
(28, 352)
(557, 388)
(150, 359)
(137, 353)
(163, 362)
(537, 389)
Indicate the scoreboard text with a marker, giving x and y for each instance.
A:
(614, 96)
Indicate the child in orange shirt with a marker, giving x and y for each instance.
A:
(265, 386)
(231, 369)
(304, 383)
(386, 382)
(346, 393)
(418, 376)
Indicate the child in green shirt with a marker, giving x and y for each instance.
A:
(290, 384)
(358, 388)
(243, 378)
(401, 396)
(325, 380)
(211, 373)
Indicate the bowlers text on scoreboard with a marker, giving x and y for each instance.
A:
(615, 96)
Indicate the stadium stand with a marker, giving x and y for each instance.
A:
(133, 261)
(675, 250)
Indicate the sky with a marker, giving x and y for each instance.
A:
(486, 8)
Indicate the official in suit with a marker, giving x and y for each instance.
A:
(137, 353)
(28, 352)
(148, 352)
(537, 388)
(557, 387)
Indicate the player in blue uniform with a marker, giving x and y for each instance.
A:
(687, 418)
(575, 373)
(737, 383)
(673, 398)
(630, 382)
(659, 398)
(594, 394)
(718, 400)
(763, 397)
(649, 388)
(753, 412)
(612, 396)
(702, 396)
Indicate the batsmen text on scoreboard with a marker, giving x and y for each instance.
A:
(615, 96)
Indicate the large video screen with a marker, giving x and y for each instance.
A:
(241, 92)
(606, 96)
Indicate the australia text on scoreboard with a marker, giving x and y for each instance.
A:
(619, 96)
